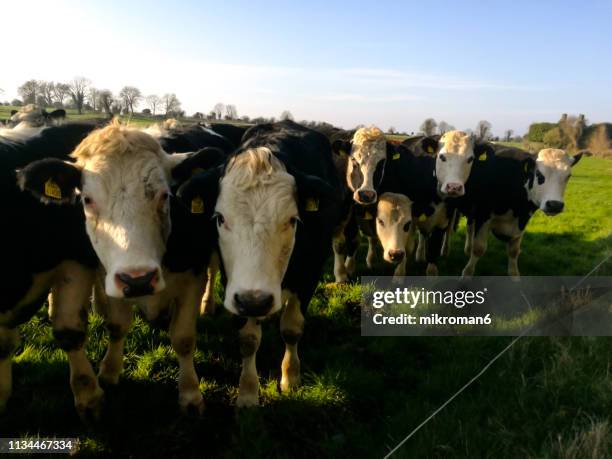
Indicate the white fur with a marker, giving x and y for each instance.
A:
(555, 165)
(454, 160)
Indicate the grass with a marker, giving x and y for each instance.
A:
(546, 398)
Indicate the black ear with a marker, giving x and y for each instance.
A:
(528, 167)
(576, 158)
(13, 112)
(430, 145)
(57, 114)
(50, 180)
(315, 196)
(195, 163)
(199, 193)
(341, 147)
(483, 151)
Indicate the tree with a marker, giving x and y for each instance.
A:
(231, 113)
(429, 126)
(198, 115)
(46, 93)
(483, 130)
(60, 92)
(170, 104)
(286, 115)
(508, 135)
(212, 115)
(77, 89)
(131, 96)
(93, 96)
(219, 108)
(443, 127)
(28, 91)
(16, 102)
(153, 101)
(391, 130)
(106, 99)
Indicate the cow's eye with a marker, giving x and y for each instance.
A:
(293, 221)
(165, 196)
(87, 201)
(380, 222)
(442, 157)
(470, 159)
(407, 226)
(219, 218)
(540, 177)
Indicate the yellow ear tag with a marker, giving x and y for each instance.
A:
(430, 149)
(482, 157)
(367, 216)
(422, 217)
(312, 205)
(52, 189)
(396, 156)
(197, 206)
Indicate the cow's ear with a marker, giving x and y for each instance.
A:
(199, 193)
(483, 151)
(195, 163)
(430, 145)
(57, 114)
(51, 180)
(13, 112)
(315, 196)
(341, 147)
(577, 157)
(528, 168)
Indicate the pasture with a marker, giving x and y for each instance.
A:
(547, 397)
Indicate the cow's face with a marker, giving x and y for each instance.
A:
(123, 177)
(367, 159)
(394, 225)
(454, 162)
(548, 178)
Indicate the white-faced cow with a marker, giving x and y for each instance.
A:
(124, 181)
(276, 204)
(504, 190)
(47, 248)
(32, 115)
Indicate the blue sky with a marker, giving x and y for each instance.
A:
(385, 63)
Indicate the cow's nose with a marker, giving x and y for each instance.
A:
(553, 207)
(253, 303)
(137, 282)
(454, 189)
(396, 255)
(366, 196)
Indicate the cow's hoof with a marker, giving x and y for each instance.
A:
(515, 277)
(342, 280)
(467, 273)
(247, 400)
(289, 383)
(432, 270)
(193, 408)
(90, 411)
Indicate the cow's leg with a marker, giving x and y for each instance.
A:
(371, 255)
(351, 238)
(514, 249)
(250, 337)
(339, 245)
(434, 244)
(208, 305)
(292, 328)
(183, 338)
(469, 237)
(479, 247)
(448, 233)
(117, 316)
(71, 292)
(9, 340)
(400, 269)
(421, 252)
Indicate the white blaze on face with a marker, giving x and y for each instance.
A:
(454, 162)
(369, 149)
(257, 215)
(125, 189)
(393, 225)
(553, 171)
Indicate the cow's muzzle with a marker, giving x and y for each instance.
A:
(365, 197)
(553, 207)
(253, 303)
(137, 283)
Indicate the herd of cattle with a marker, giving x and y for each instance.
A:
(148, 217)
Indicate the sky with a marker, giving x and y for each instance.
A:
(387, 63)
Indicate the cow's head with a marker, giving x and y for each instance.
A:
(455, 155)
(257, 212)
(123, 179)
(366, 163)
(547, 178)
(32, 115)
(394, 225)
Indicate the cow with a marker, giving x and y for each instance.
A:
(275, 203)
(33, 116)
(230, 131)
(122, 181)
(48, 249)
(503, 192)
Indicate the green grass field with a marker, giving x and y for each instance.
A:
(546, 398)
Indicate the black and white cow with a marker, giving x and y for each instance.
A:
(276, 203)
(503, 192)
(151, 250)
(32, 115)
(46, 247)
(231, 132)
